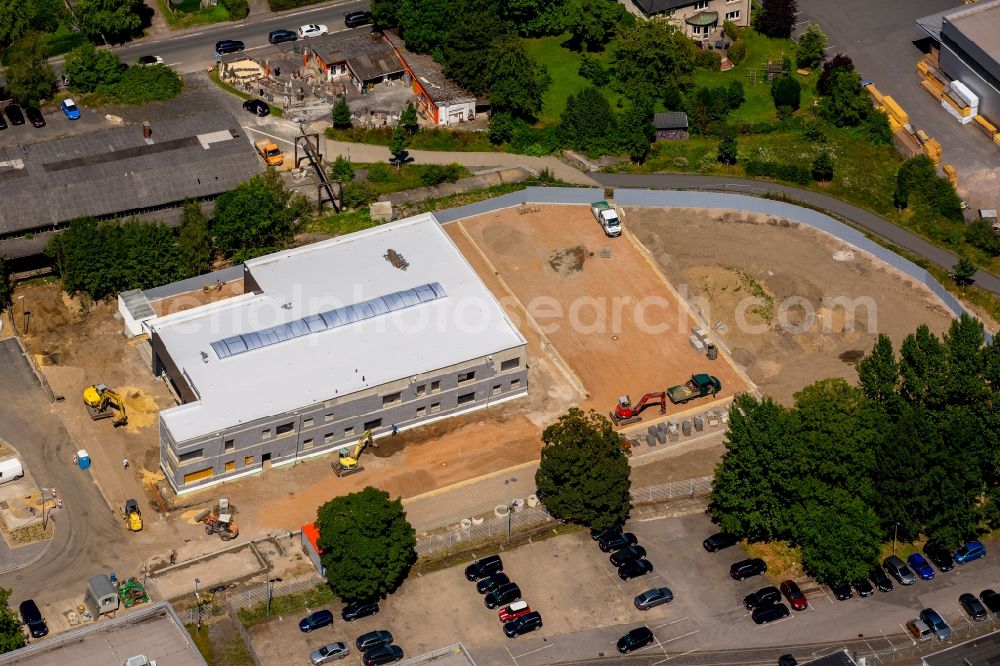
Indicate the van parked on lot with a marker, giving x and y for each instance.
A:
(11, 469)
(896, 568)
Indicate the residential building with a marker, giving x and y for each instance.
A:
(439, 98)
(700, 20)
(381, 330)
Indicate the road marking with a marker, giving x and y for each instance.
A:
(831, 46)
(511, 655)
(174, 64)
(671, 622)
(522, 656)
(684, 654)
(769, 624)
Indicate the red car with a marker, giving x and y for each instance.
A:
(796, 599)
(514, 611)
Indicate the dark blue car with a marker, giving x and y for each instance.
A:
(920, 566)
(317, 620)
(970, 551)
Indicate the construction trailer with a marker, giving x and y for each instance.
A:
(101, 596)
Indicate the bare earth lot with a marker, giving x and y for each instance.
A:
(704, 251)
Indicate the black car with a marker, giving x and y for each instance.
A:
(635, 639)
(383, 654)
(522, 625)
(229, 46)
(634, 569)
(766, 614)
(972, 606)
(484, 567)
(14, 114)
(502, 595)
(617, 542)
(765, 596)
(787, 660)
(863, 588)
(842, 592)
(279, 36)
(35, 116)
(597, 534)
(258, 107)
(359, 609)
(492, 582)
(3, 123)
(32, 617)
(627, 555)
(991, 600)
(373, 639)
(718, 541)
(355, 19)
(881, 580)
(747, 568)
(939, 557)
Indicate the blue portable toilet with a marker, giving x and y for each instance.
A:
(83, 459)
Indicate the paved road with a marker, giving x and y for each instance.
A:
(857, 216)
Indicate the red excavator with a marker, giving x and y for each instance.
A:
(625, 413)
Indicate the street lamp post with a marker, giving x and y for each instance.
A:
(45, 491)
(197, 601)
(510, 518)
(894, 530)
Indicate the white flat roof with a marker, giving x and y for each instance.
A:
(455, 319)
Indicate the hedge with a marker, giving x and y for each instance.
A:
(793, 173)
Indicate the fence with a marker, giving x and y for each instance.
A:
(247, 597)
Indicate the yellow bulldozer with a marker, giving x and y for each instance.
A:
(132, 516)
(348, 462)
(103, 403)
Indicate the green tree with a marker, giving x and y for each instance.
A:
(837, 62)
(735, 95)
(148, 83)
(587, 123)
(811, 47)
(952, 477)
(513, 79)
(399, 141)
(114, 20)
(88, 68)
(467, 51)
(368, 544)
(501, 128)
(776, 18)
(878, 375)
(194, 240)
(408, 119)
(875, 128)
(342, 117)
(840, 536)
(822, 167)
(583, 476)
(592, 70)
(237, 9)
(424, 24)
(253, 218)
(901, 505)
(30, 79)
(727, 147)
(6, 291)
(532, 18)
(17, 17)
(980, 234)
(636, 132)
(846, 103)
(651, 56)
(672, 100)
(383, 13)
(592, 23)
(342, 170)
(923, 365)
(964, 345)
(918, 185)
(11, 635)
(964, 271)
(786, 92)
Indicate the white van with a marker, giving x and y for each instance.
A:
(10, 470)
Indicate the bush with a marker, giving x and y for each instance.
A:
(342, 170)
(592, 70)
(237, 9)
(789, 172)
(786, 91)
(710, 60)
(978, 234)
(814, 130)
(341, 115)
(730, 30)
(89, 69)
(501, 128)
(672, 100)
(737, 52)
(147, 83)
(435, 174)
(917, 182)
(356, 195)
(280, 5)
(810, 49)
(379, 173)
(727, 148)
(822, 167)
(735, 95)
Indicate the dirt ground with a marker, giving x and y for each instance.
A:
(719, 258)
(607, 312)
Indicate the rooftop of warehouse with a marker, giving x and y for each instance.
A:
(396, 301)
(981, 24)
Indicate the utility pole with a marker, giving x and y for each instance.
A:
(197, 601)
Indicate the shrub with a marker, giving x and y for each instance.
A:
(342, 170)
(435, 174)
(237, 9)
(672, 99)
(592, 70)
(814, 130)
(730, 30)
(786, 91)
(822, 167)
(812, 43)
(341, 115)
(788, 172)
(978, 234)
(280, 5)
(379, 173)
(148, 83)
(356, 195)
(89, 69)
(501, 128)
(727, 147)
(710, 60)
(735, 95)
(737, 52)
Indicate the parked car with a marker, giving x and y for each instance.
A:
(920, 566)
(597, 535)
(313, 30)
(70, 108)
(991, 600)
(652, 598)
(329, 653)
(896, 568)
(765, 596)
(863, 588)
(973, 606)
(634, 569)
(919, 630)
(373, 639)
(797, 600)
(719, 541)
(492, 582)
(635, 639)
(229, 46)
(147, 60)
(522, 625)
(767, 614)
(513, 611)
(842, 592)
(881, 581)
(32, 618)
(484, 567)
(940, 557)
(627, 554)
(281, 35)
(14, 114)
(502, 595)
(617, 541)
(359, 609)
(936, 623)
(383, 654)
(318, 620)
(35, 116)
(967, 553)
(747, 568)
(356, 19)
(787, 660)
(258, 107)
(3, 123)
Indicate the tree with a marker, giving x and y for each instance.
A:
(408, 119)
(253, 218)
(147, 83)
(672, 99)
(592, 70)
(501, 128)
(651, 56)
(87, 68)
(727, 147)
(786, 92)
(918, 185)
(811, 47)
(341, 115)
(592, 23)
(114, 20)
(30, 79)
(846, 103)
(533, 18)
(194, 240)
(899, 493)
(424, 24)
(923, 365)
(735, 95)
(980, 234)
(342, 170)
(822, 167)
(776, 18)
(587, 123)
(6, 291)
(11, 635)
(367, 543)
(583, 476)
(964, 271)
(399, 141)
(17, 17)
(513, 79)
(878, 375)
(383, 13)
(837, 62)
(840, 536)
(467, 51)
(636, 132)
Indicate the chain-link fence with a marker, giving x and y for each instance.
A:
(247, 597)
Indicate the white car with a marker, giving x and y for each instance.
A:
(149, 60)
(313, 30)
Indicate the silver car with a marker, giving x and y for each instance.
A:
(652, 598)
(329, 653)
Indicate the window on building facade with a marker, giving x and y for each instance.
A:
(328, 438)
(307, 423)
(496, 390)
(327, 418)
(349, 432)
(191, 455)
(515, 383)
(435, 407)
(510, 364)
(371, 425)
(247, 461)
(391, 399)
(284, 428)
(266, 434)
(702, 4)
(733, 16)
(466, 398)
(466, 376)
(307, 444)
(229, 445)
(435, 386)
(421, 389)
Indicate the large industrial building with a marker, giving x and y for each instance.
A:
(310, 348)
(970, 50)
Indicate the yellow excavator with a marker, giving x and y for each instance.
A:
(348, 463)
(103, 403)
(133, 518)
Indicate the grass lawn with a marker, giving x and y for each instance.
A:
(407, 178)
(190, 12)
(339, 224)
(218, 650)
(563, 66)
